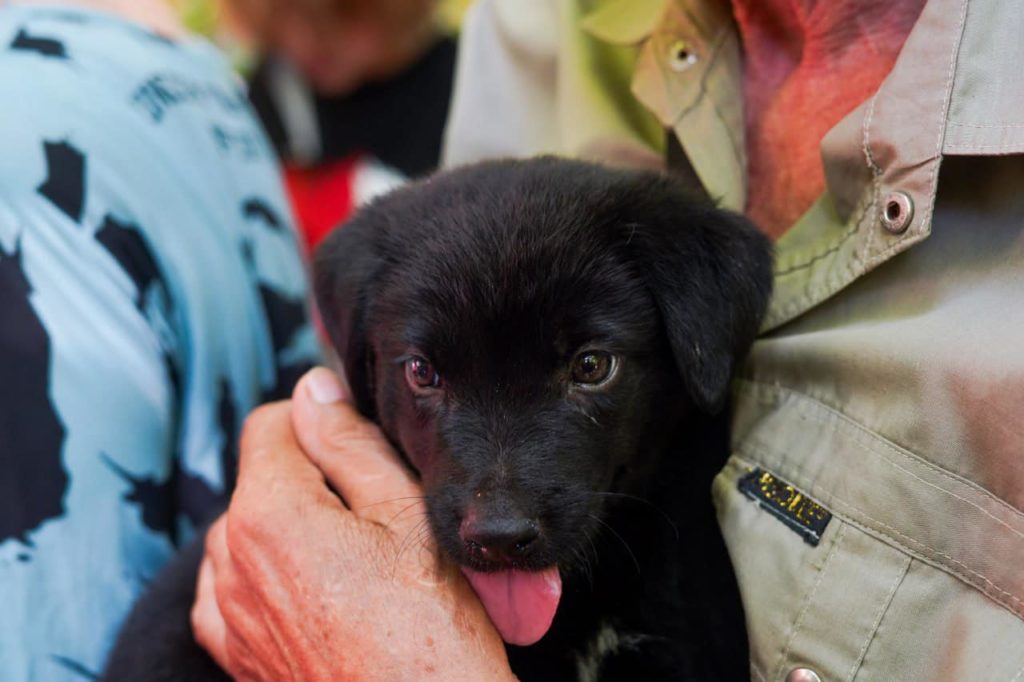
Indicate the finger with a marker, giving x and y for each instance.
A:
(225, 607)
(215, 545)
(207, 623)
(270, 456)
(351, 451)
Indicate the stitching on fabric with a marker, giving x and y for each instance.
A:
(795, 627)
(719, 43)
(866, 448)
(812, 403)
(878, 621)
(876, 173)
(728, 132)
(1000, 126)
(866, 138)
(834, 284)
(951, 71)
(715, 51)
(949, 79)
(949, 75)
(831, 499)
(832, 249)
(898, 244)
(1009, 146)
(666, 73)
(838, 279)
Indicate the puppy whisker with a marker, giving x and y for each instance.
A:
(393, 499)
(414, 533)
(666, 517)
(632, 232)
(400, 512)
(581, 560)
(589, 557)
(624, 543)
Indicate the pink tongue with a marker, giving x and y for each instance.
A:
(521, 604)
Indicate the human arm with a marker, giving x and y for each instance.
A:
(302, 583)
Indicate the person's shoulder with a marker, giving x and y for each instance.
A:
(153, 116)
(89, 62)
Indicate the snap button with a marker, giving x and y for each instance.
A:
(681, 56)
(802, 675)
(897, 212)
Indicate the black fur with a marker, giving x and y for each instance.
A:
(499, 273)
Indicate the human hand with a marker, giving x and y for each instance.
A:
(297, 584)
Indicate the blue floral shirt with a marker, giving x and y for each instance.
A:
(151, 293)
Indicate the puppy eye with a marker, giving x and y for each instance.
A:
(421, 374)
(592, 367)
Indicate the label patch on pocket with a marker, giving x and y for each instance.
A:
(799, 512)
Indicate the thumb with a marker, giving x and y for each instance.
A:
(351, 451)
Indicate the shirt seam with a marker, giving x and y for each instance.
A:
(896, 449)
(807, 297)
(831, 500)
(716, 53)
(867, 449)
(876, 177)
(864, 258)
(1010, 148)
(1000, 126)
(886, 603)
(794, 628)
(850, 231)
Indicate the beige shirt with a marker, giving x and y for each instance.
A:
(888, 384)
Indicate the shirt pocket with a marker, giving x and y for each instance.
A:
(853, 607)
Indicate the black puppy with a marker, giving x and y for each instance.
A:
(546, 342)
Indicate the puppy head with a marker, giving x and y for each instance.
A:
(526, 332)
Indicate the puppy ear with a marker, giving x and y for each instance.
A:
(710, 272)
(344, 266)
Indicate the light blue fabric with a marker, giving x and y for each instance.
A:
(151, 293)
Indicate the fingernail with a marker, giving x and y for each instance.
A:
(324, 386)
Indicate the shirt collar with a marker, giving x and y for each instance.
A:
(890, 146)
(688, 74)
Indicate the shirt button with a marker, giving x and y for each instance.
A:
(802, 675)
(681, 56)
(897, 212)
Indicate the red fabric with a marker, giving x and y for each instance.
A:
(807, 64)
(322, 197)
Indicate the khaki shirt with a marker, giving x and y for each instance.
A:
(888, 384)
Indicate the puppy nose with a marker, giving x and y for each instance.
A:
(499, 539)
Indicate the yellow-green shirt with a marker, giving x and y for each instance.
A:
(888, 384)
